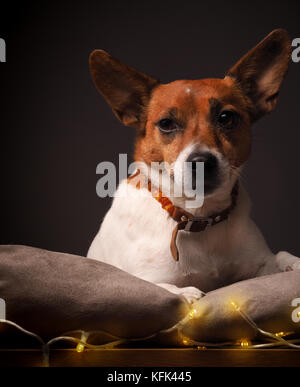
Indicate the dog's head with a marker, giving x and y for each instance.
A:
(207, 120)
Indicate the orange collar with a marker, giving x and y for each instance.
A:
(185, 220)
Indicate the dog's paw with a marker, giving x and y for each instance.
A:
(287, 261)
(190, 293)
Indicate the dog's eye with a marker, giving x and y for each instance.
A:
(228, 119)
(167, 125)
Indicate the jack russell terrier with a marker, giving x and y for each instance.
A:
(157, 237)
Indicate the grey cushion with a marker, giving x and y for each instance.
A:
(51, 293)
(266, 300)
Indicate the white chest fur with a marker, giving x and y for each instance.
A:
(136, 232)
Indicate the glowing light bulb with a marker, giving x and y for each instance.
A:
(235, 305)
(186, 341)
(244, 343)
(298, 314)
(282, 334)
(201, 348)
(193, 313)
(80, 347)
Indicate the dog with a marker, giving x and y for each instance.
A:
(189, 251)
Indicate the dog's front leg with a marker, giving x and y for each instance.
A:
(190, 293)
(287, 262)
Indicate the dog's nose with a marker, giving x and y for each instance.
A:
(210, 169)
(210, 161)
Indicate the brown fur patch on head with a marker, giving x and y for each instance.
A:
(191, 105)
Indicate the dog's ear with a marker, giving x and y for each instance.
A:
(261, 71)
(125, 89)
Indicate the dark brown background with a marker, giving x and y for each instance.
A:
(55, 128)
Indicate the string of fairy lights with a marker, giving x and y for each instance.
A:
(273, 339)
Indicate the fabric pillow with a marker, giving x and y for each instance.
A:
(50, 293)
(267, 300)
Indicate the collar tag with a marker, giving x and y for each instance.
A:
(200, 223)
